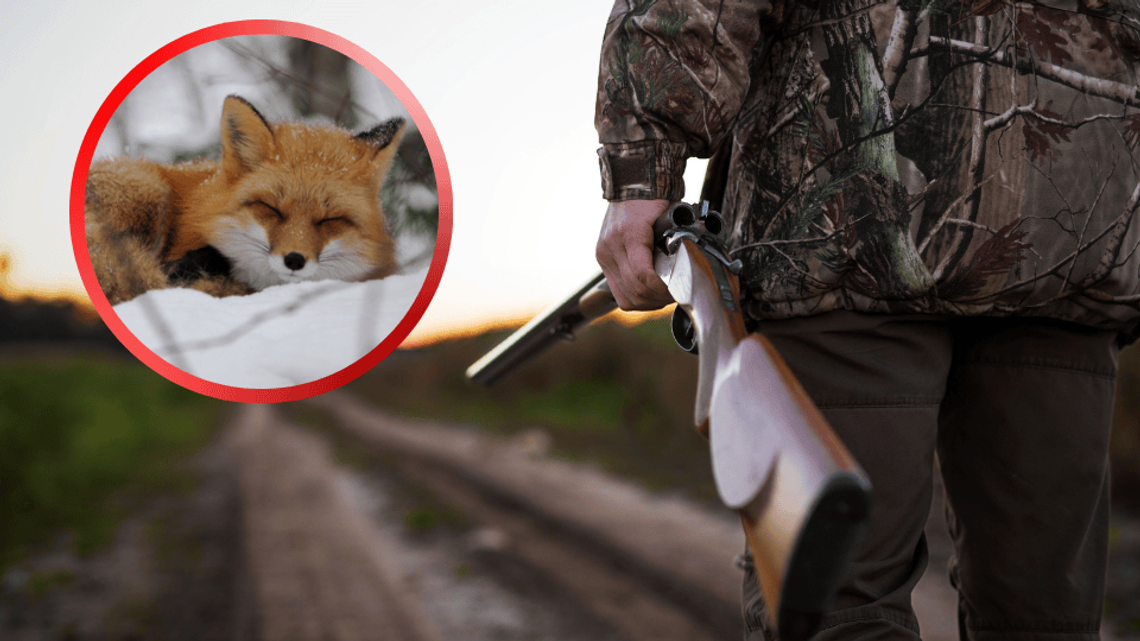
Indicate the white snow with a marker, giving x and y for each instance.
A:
(281, 336)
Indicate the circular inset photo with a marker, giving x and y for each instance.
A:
(261, 211)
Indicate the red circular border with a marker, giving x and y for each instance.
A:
(79, 238)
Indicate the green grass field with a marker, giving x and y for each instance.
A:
(81, 439)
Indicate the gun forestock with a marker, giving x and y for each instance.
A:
(559, 322)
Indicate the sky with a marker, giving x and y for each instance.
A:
(508, 86)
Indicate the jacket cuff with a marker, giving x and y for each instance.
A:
(644, 170)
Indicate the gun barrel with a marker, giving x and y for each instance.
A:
(560, 321)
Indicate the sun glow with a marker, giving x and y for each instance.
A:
(442, 331)
(16, 291)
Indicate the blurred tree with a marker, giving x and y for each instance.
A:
(318, 83)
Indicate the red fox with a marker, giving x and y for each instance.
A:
(288, 202)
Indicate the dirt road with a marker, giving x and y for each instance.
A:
(317, 570)
(559, 546)
(364, 526)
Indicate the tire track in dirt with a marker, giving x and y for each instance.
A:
(316, 572)
(629, 563)
(649, 567)
(638, 601)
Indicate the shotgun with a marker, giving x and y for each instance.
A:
(802, 499)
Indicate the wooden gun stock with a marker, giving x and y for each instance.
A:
(801, 497)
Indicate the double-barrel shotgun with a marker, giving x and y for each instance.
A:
(802, 498)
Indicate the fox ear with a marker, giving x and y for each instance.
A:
(385, 139)
(383, 134)
(247, 138)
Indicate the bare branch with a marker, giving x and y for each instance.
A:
(1101, 297)
(256, 320)
(977, 162)
(1119, 226)
(796, 110)
(1088, 220)
(287, 75)
(945, 218)
(1031, 110)
(970, 223)
(903, 31)
(1114, 242)
(809, 169)
(1117, 92)
(802, 241)
(164, 331)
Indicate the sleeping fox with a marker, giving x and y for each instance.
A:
(287, 202)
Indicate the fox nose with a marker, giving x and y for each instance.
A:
(294, 261)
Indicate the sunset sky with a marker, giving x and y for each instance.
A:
(509, 87)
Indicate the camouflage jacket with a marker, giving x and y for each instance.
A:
(936, 156)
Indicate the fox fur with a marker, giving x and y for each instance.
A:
(287, 202)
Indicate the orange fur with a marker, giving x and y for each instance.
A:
(287, 202)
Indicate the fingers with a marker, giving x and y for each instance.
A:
(625, 253)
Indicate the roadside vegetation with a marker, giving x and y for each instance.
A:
(618, 396)
(623, 397)
(82, 440)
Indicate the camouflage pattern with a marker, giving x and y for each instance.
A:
(964, 157)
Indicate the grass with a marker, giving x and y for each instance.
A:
(135, 617)
(80, 440)
(422, 519)
(40, 584)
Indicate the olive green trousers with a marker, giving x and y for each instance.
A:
(1017, 415)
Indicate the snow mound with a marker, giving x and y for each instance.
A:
(281, 336)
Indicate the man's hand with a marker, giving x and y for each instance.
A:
(625, 252)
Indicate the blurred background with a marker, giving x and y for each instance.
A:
(572, 501)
